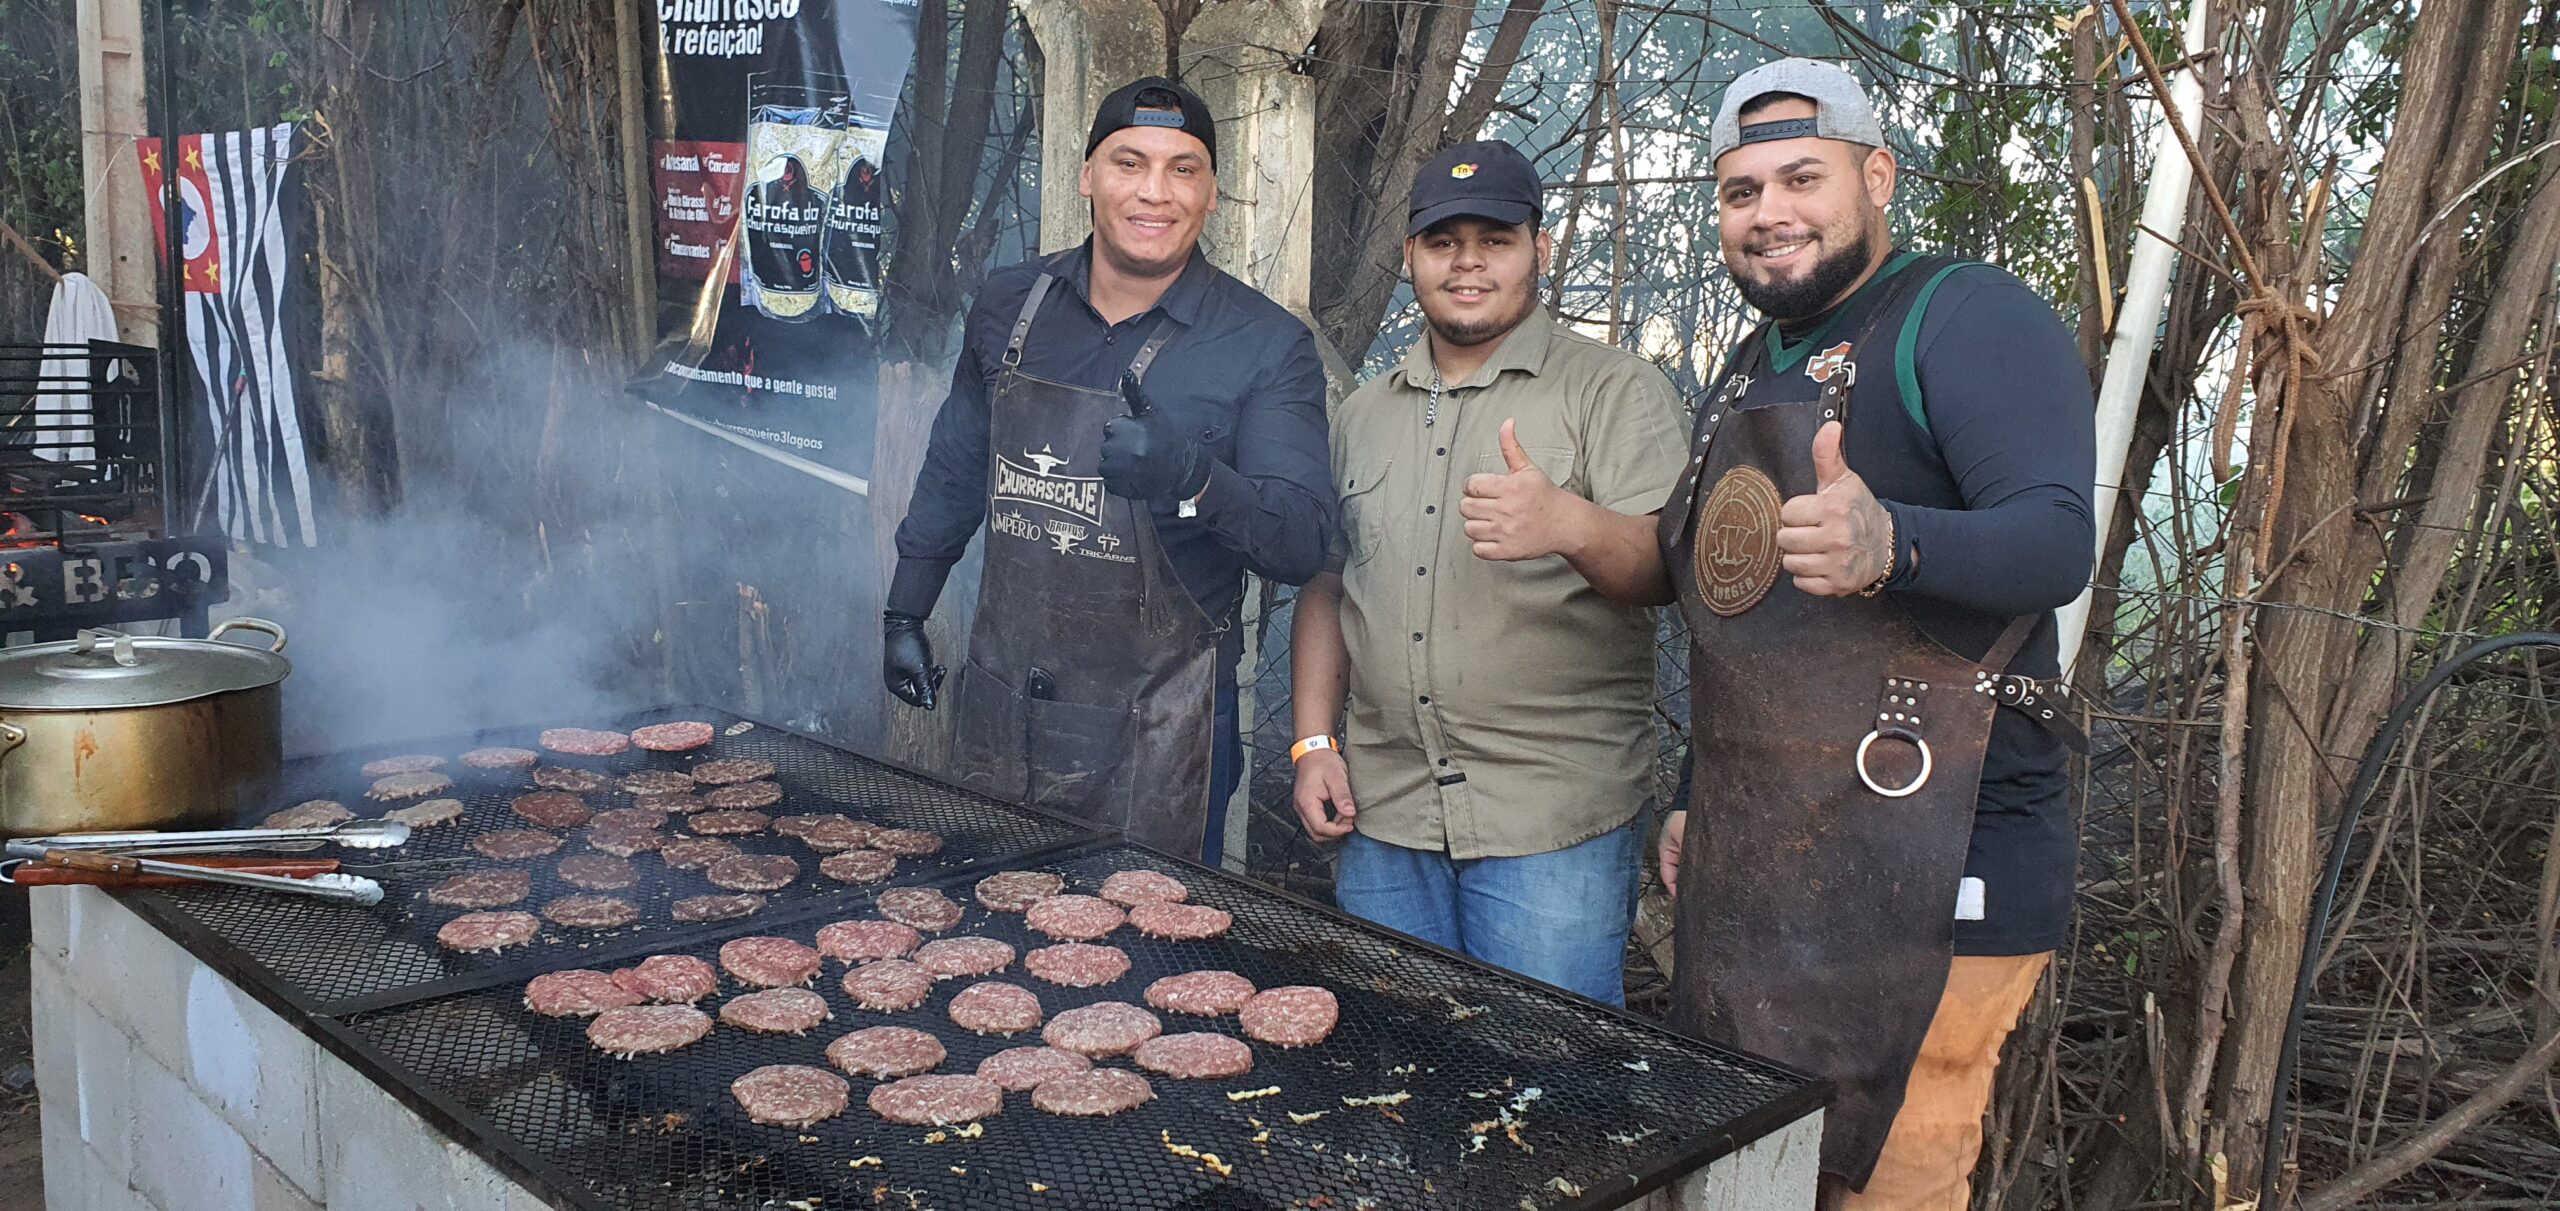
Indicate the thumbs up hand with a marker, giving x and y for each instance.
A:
(1521, 514)
(1838, 541)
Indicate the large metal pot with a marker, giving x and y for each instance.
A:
(122, 732)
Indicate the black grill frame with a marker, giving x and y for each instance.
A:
(1708, 1101)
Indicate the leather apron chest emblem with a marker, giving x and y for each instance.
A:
(1737, 536)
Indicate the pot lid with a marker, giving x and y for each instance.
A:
(105, 670)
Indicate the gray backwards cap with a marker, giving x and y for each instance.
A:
(1841, 110)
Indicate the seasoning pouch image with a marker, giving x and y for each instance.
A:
(789, 157)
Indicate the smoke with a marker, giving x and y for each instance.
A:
(514, 584)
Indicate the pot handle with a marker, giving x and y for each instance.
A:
(120, 643)
(250, 624)
(11, 736)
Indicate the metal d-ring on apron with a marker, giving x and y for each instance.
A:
(1091, 677)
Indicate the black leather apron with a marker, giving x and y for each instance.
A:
(1092, 673)
(1838, 758)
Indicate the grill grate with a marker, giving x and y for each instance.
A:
(1620, 1106)
(332, 958)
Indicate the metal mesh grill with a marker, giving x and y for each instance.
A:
(332, 958)
(1606, 1105)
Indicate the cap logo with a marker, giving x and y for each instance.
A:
(1157, 117)
(1784, 128)
(1462, 171)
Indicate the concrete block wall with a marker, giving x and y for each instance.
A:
(165, 1088)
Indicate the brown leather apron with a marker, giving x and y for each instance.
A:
(1092, 673)
(1838, 757)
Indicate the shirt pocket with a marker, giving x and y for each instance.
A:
(1559, 462)
(1364, 507)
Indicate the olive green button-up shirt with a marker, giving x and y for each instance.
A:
(1496, 709)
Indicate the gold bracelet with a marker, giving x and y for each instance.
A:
(1891, 550)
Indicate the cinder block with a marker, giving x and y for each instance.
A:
(101, 1091)
(255, 1069)
(376, 1144)
(275, 1193)
(197, 1161)
(49, 913)
(124, 967)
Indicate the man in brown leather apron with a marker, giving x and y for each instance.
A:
(1134, 430)
(1887, 495)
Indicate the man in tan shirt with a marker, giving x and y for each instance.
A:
(1486, 608)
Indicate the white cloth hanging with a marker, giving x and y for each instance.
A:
(78, 314)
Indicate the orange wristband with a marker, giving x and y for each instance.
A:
(1311, 744)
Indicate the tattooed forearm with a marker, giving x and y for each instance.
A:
(1870, 543)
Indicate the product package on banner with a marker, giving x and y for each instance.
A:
(769, 201)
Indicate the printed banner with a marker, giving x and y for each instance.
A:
(768, 199)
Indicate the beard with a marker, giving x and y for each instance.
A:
(1463, 333)
(1812, 293)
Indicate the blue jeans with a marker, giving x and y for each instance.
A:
(1226, 768)
(1561, 917)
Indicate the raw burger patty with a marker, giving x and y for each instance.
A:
(488, 931)
(776, 1011)
(753, 872)
(952, 958)
(906, 842)
(791, 1095)
(624, 841)
(769, 962)
(1015, 890)
(552, 809)
(428, 814)
(310, 813)
(482, 889)
(743, 796)
(1077, 964)
(728, 824)
(1199, 1056)
(1182, 922)
(583, 742)
(1092, 1094)
(655, 782)
(598, 872)
(936, 1100)
(716, 908)
(1201, 993)
(591, 912)
(672, 737)
(1294, 1015)
(1104, 1028)
(1019, 1068)
(1135, 887)
(858, 866)
(995, 1007)
(864, 941)
(676, 979)
(922, 907)
(886, 1052)
(835, 834)
(674, 804)
(576, 994)
(415, 763)
(1074, 918)
(889, 985)
(567, 778)
(694, 853)
(514, 844)
(500, 758)
(647, 1029)
(732, 769)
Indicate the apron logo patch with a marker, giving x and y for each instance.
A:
(1831, 361)
(1034, 481)
(1737, 555)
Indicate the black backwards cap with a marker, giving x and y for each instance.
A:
(1154, 101)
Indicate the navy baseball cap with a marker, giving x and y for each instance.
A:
(1154, 101)
(1486, 179)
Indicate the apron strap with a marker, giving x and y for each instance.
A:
(1147, 353)
(1022, 323)
(2045, 702)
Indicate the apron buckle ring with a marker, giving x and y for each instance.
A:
(1928, 761)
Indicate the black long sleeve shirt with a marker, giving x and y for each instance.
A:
(1241, 371)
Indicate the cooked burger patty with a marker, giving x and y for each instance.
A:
(743, 796)
(428, 814)
(623, 841)
(552, 809)
(591, 912)
(310, 813)
(415, 763)
(858, 866)
(655, 782)
(716, 908)
(568, 778)
(515, 844)
(482, 889)
(672, 737)
(598, 872)
(694, 853)
(481, 931)
(753, 872)
(728, 824)
(732, 769)
(922, 907)
(500, 758)
(906, 842)
(1015, 890)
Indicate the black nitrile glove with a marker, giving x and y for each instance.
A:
(906, 659)
(1147, 456)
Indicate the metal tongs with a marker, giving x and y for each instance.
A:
(125, 857)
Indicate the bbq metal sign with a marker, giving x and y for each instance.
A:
(108, 582)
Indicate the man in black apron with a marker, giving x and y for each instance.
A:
(1134, 429)
(1887, 496)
